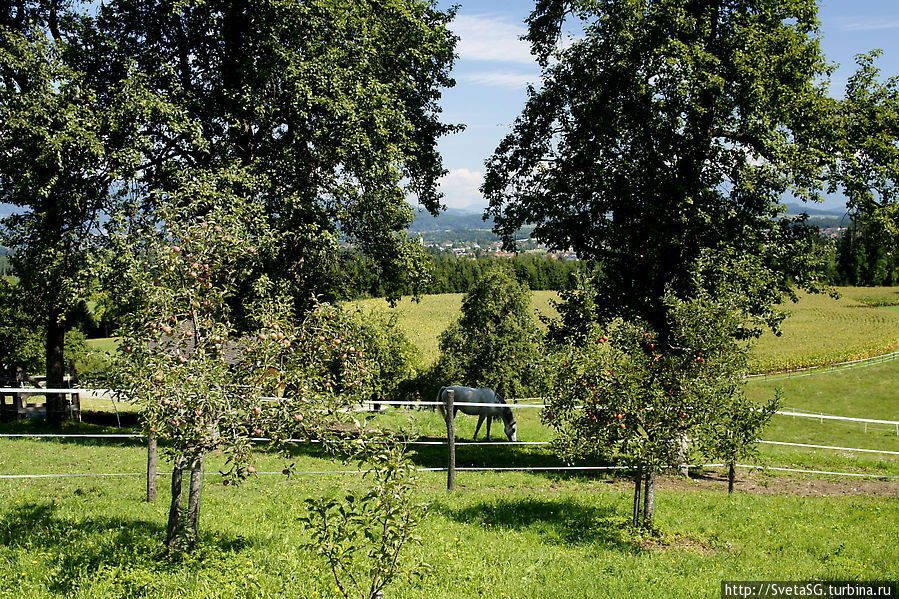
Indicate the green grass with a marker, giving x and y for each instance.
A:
(501, 535)
(819, 330)
(512, 534)
(103, 344)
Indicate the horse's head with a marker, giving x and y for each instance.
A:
(512, 429)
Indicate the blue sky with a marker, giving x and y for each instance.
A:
(494, 68)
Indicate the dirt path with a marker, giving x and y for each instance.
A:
(761, 483)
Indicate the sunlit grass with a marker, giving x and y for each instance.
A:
(823, 330)
(527, 535)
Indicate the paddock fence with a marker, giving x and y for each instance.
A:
(451, 442)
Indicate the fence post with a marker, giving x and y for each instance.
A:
(151, 468)
(451, 441)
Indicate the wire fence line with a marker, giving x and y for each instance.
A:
(421, 442)
(826, 368)
(473, 469)
(514, 405)
(788, 373)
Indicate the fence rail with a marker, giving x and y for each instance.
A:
(475, 469)
(419, 441)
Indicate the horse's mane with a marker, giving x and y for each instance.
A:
(508, 416)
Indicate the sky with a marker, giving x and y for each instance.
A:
(494, 68)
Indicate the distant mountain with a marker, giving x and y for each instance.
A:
(451, 219)
(819, 211)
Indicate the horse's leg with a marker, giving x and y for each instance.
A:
(478, 427)
(489, 421)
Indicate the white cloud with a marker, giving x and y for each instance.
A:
(872, 25)
(501, 79)
(491, 37)
(460, 188)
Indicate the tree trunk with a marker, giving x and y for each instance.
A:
(151, 468)
(56, 370)
(731, 476)
(649, 499)
(172, 530)
(638, 481)
(193, 503)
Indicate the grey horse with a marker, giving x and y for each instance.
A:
(493, 406)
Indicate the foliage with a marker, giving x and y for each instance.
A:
(629, 395)
(660, 145)
(392, 358)
(332, 105)
(65, 147)
(495, 342)
(866, 173)
(867, 169)
(621, 396)
(538, 272)
(365, 538)
(356, 276)
(666, 130)
(577, 310)
(865, 255)
(21, 343)
(198, 381)
(23, 336)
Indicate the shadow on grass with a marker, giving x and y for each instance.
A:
(559, 521)
(83, 546)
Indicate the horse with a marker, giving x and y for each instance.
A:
(494, 406)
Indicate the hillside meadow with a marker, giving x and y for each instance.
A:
(819, 329)
(504, 534)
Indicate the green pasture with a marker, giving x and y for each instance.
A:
(500, 535)
(823, 330)
(819, 330)
(103, 344)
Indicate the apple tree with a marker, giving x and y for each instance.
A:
(625, 398)
(663, 136)
(198, 381)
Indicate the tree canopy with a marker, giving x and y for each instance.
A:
(669, 129)
(495, 342)
(66, 146)
(333, 104)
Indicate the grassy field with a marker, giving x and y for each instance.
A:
(823, 330)
(820, 329)
(501, 535)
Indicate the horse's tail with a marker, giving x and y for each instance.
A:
(440, 404)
